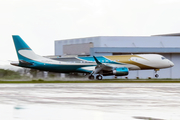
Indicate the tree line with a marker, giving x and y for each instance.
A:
(9, 74)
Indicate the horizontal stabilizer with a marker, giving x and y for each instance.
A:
(25, 62)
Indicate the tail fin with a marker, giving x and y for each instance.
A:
(19, 43)
(27, 58)
(24, 52)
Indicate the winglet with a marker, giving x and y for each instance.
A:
(97, 61)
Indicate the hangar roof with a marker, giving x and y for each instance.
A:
(133, 50)
(172, 34)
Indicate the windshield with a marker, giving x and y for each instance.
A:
(163, 58)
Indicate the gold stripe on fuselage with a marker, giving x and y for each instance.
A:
(127, 60)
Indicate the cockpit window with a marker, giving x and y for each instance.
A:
(163, 58)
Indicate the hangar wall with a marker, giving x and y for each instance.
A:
(168, 46)
(71, 42)
(77, 49)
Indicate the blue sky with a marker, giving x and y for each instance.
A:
(40, 22)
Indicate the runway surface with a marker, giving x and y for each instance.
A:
(90, 101)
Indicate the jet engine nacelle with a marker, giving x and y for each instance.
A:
(121, 71)
(117, 72)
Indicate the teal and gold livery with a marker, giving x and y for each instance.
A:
(98, 66)
(101, 59)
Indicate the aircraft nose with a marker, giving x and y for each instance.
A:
(171, 63)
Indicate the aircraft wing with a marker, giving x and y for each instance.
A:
(101, 67)
(96, 69)
(105, 69)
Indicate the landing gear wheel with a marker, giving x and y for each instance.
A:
(99, 77)
(156, 75)
(91, 77)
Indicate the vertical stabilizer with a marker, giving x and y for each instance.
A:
(22, 48)
(19, 43)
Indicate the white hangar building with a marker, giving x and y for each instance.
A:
(167, 45)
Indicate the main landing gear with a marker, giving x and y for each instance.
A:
(156, 75)
(98, 77)
(91, 77)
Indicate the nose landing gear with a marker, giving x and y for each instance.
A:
(156, 75)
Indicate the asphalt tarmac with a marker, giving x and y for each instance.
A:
(90, 101)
